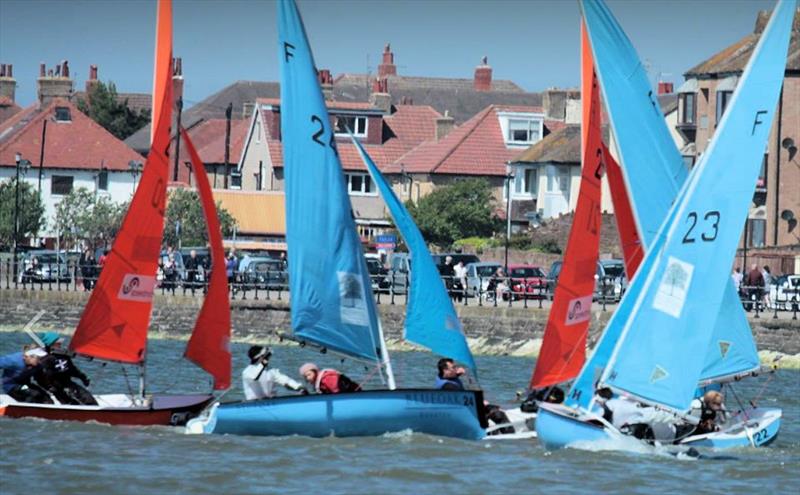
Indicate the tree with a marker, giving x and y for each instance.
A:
(183, 207)
(85, 216)
(103, 106)
(31, 211)
(464, 209)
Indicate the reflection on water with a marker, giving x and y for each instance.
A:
(62, 457)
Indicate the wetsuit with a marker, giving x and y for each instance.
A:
(55, 376)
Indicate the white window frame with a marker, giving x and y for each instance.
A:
(520, 182)
(356, 133)
(364, 177)
(535, 122)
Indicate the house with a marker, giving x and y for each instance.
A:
(66, 148)
(260, 219)
(703, 99)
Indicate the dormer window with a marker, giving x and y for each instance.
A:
(63, 114)
(356, 124)
(521, 129)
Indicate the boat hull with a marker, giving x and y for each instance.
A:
(114, 409)
(558, 427)
(450, 413)
(758, 429)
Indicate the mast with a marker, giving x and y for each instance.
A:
(387, 363)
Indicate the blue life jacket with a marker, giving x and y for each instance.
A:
(13, 365)
(456, 382)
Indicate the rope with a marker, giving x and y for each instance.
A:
(127, 381)
(741, 406)
(762, 390)
(369, 376)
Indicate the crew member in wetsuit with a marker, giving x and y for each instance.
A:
(57, 372)
(328, 381)
(19, 385)
(448, 378)
(553, 395)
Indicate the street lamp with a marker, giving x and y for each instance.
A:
(135, 168)
(509, 177)
(22, 165)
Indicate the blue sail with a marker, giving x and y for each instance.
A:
(431, 320)
(332, 303)
(665, 338)
(654, 173)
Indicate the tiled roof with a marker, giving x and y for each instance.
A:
(255, 212)
(80, 143)
(212, 149)
(561, 146)
(8, 108)
(734, 58)
(476, 147)
(429, 83)
(333, 105)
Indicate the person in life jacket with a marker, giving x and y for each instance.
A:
(710, 412)
(57, 372)
(20, 386)
(259, 382)
(328, 381)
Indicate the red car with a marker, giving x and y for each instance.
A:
(527, 281)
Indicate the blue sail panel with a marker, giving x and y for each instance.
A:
(332, 303)
(661, 352)
(732, 349)
(431, 320)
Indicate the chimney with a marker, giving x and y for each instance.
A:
(555, 103)
(665, 88)
(387, 67)
(444, 125)
(380, 96)
(54, 84)
(483, 76)
(8, 85)
(92, 78)
(177, 80)
(326, 83)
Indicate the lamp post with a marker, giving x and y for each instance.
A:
(509, 176)
(22, 165)
(135, 169)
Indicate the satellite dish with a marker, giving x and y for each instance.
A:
(787, 143)
(787, 215)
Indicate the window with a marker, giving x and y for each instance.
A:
(723, 98)
(61, 185)
(558, 180)
(688, 161)
(102, 180)
(360, 184)
(63, 114)
(523, 131)
(358, 125)
(761, 183)
(260, 176)
(525, 183)
(758, 228)
(236, 180)
(688, 103)
(258, 131)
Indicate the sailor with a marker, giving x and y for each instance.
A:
(259, 382)
(449, 375)
(328, 381)
(553, 395)
(58, 370)
(19, 385)
(635, 419)
(709, 411)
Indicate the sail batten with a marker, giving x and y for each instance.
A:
(332, 302)
(114, 322)
(431, 320)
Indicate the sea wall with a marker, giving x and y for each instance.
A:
(491, 330)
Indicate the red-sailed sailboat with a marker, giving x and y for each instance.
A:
(114, 323)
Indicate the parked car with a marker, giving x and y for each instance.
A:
(50, 266)
(379, 275)
(784, 291)
(478, 276)
(265, 273)
(609, 276)
(527, 281)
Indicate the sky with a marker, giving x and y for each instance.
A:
(534, 43)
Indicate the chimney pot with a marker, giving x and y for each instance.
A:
(65, 69)
(444, 125)
(2, 70)
(387, 67)
(10, 70)
(483, 76)
(665, 88)
(92, 72)
(42, 70)
(8, 86)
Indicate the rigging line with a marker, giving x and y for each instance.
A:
(762, 390)
(366, 379)
(741, 406)
(127, 381)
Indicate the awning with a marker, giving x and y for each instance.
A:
(689, 86)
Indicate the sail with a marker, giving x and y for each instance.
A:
(208, 346)
(431, 320)
(661, 352)
(632, 249)
(564, 345)
(332, 303)
(114, 323)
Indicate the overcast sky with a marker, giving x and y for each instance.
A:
(534, 43)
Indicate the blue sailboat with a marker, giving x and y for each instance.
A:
(663, 340)
(332, 304)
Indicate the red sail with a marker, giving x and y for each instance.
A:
(209, 345)
(626, 225)
(564, 346)
(115, 321)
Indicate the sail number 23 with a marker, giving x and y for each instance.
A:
(710, 227)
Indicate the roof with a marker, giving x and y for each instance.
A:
(79, 144)
(208, 138)
(476, 147)
(734, 58)
(214, 106)
(256, 212)
(331, 105)
(668, 103)
(8, 108)
(561, 146)
(135, 101)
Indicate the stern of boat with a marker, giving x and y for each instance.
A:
(558, 426)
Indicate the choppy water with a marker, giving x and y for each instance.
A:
(61, 457)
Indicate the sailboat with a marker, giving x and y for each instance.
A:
(658, 345)
(114, 324)
(332, 304)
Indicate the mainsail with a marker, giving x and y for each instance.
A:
(564, 345)
(332, 303)
(208, 346)
(431, 320)
(632, 249)
(664, 341)
(115, 321)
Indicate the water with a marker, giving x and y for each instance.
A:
(64, 457)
